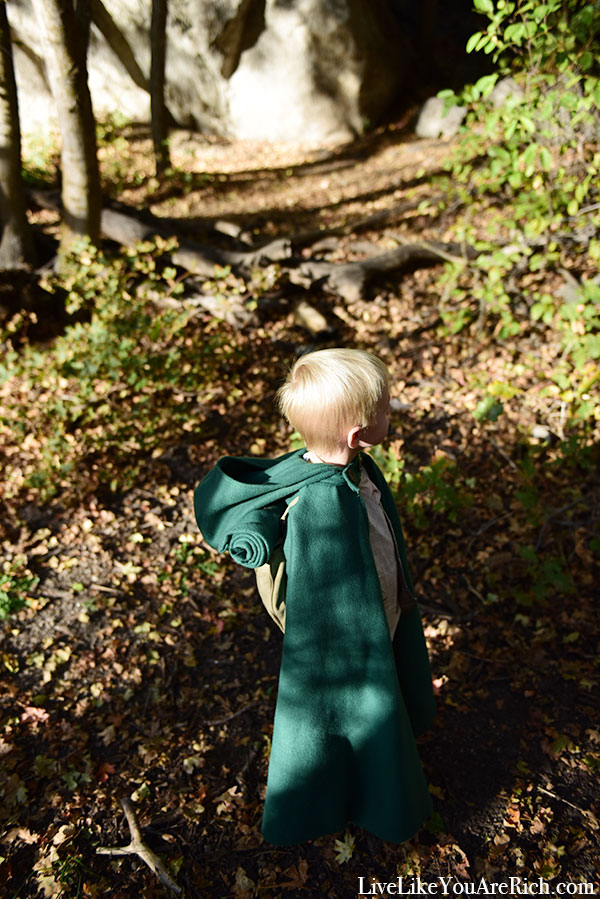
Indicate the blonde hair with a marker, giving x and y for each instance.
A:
(327, 392)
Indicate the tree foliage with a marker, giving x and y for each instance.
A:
(529, 155)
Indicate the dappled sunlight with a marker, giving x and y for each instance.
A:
(137, 661)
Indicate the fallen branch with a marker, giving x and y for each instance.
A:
(137, 847)
(589, 816)
(196, 258)
(349, 280)
(128, 229)
(346, 280)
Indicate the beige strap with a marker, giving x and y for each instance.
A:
(271, 579)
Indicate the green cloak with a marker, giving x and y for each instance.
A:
(349, 701)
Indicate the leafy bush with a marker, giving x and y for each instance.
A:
(111, 391)
(546, 34)
(435, 490)
(531, 161)
(40, 155)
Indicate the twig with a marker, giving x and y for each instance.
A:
(474, 591)
(422, 328)
(587, 209)
(582, 811)
(233, 714)
(470, 655)
(241, 776)
(484, 527)
(138, 847)
(432, 610)
(504, 455)
(102, 588)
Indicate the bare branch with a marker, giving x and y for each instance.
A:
(137, 847)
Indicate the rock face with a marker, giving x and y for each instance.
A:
(319, 70)
(437, 121)
(290, 70)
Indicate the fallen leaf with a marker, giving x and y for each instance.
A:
(243, 886)
(104, 772)
(21, 833)
(33, 715)
(64, 833)
(344, 849)
(298, 875)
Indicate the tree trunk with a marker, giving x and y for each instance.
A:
(158, 40)
(120, 46)
(118, 43)
(16, 244)
(67, 72)
(83, 15)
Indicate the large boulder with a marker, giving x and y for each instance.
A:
(435, 120)
(290, 70)
(319, 70)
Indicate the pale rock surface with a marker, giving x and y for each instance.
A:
(435, 121)
(504, 91)
(310, 71)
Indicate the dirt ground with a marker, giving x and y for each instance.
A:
(145, 666)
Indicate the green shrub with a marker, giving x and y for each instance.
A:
(113, 389)
(530, 167)
(434, 490)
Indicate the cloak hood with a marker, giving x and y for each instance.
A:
(239, 503)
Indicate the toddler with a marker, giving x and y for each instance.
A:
(355, 683)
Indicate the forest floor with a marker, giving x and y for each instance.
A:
(143, 665)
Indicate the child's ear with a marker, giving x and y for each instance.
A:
(353, 438)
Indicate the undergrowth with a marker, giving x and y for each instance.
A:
(526, 170)
(118, 386)
(137, 369)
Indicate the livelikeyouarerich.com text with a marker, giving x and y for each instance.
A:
(449, 886)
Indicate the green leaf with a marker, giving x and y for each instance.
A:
(484, 6)
(530, 155)
(528, 124)
(499, 389)
(473, 41)
(488, 409)
(486, 84)
(540, 12)
(561, 743)
(515, 33)
(592, 761)
(71, 778)
(546, 159)
(510, 129)
(570, 101)
(515, 179)
(527, 552)
(435, 824)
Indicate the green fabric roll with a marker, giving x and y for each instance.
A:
(253, 541)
